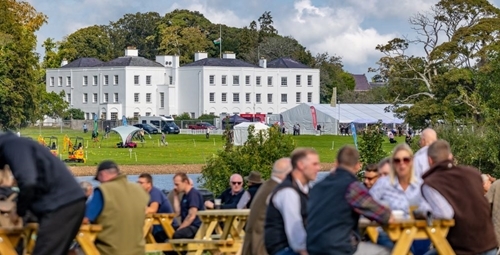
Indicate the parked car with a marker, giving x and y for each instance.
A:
(202, 125)
(148, 128)
(171, 128)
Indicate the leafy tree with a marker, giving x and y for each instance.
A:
(92, 41)
(53, 104)
(51, 58)
(370, 144)
(207, 117)
(181, 41)
(257, 154)
(183, 116)
(75, 114)
(378, 95)
(266, 28)
(330, 75)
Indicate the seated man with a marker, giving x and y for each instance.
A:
(456, 192)
(234, 197)
(158, 203)
(87, 188)
(187, 208)
(119, 207)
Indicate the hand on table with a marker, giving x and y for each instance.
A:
(209, 204)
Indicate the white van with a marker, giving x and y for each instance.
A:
(164, 123)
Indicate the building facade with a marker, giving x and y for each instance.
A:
(133, 86)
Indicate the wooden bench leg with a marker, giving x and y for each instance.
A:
(87, 244)
(403, 245)
(6, 247)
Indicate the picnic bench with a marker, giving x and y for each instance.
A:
(165, 221)
(404, 232)
(228, 238)
(85, 238)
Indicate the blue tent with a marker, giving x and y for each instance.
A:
(236, 119)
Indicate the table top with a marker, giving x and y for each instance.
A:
(168, 215)
(363, 222)
(225, 212)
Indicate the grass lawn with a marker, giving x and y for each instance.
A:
(181, 149)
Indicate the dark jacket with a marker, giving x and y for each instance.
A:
(230, 201)
(462, 187)
(45, 182)
(252, 190)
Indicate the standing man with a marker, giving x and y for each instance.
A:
(188, 207)
(456, 192)
(47, 189)
(284, 230)
(118, 205)
(254, 237)
(420, 160)
(335, 228)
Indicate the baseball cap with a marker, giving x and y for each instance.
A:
(104, 165)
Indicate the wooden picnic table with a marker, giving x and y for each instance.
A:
(404, 232)
(86, 237)
(229, 238)
(165, 221)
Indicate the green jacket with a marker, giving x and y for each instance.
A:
(122, 218)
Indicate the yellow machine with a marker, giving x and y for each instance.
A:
(53, 144)
(75, 150)
(41, 140)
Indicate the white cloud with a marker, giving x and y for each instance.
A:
(215, 14)
(392, 8)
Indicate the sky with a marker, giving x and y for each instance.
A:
(350, 29)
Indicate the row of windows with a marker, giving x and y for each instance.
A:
(258, 80)
(258, 97)
(95, 80)
(137, 97)
(115, 98)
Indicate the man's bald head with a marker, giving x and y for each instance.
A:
(282, 167)
(236, 183)
(428, 137)
(236, 178)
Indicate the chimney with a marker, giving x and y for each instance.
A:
(229, 55)
(200, 55)
(263, 62)
(64, 62)
(131, 51)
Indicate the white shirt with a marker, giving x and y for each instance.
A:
(421, 162)
(440, 207)
(287, 201)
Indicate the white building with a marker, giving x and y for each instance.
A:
(134, 86)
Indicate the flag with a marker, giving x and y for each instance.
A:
(314, 119)
(218, 41)
(124, 120)
(95, 122)
(354, 135)
(282, 123)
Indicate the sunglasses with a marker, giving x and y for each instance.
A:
(236, 183)
(406, 160)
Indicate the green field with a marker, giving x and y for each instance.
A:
(181, 149)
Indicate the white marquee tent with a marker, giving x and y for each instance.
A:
(328, 116)
(126, 132)
(241, 131)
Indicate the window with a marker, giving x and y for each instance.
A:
(269, 81)
(68, 81)
(223, 80)
(257, 80)
(284, 98)
(87, 116)
(269, 98)
(85, 98)
(115, 82)
(297, 97)
(148, 97)
(148, 80)
(297, 80)
(170, 80)
(136, 79)
(105, 97)
(212, 97)
(94, 80)
(136, 97)
(162, 100)
(59, 81)
(309, 80)
(236, 97)
(114, 116)
(236, 80)
(115, 98)
(247, 97)
(106, 80)
(136, 115)
(52, 81)
(247, 80)
(148, 114)
(94, 98)
(223, 97)
(68, 98)
(284, 81)
(309, 97)
(85, 80)
(257, 98)
(211, 79)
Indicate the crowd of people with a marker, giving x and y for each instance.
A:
(288, 215)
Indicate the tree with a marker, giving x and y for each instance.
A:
(278, 47)
(257, 154)
(75, 114)
(53, 104)
(377, 95)
(181, 41)
(51, 59)
(183, 116)
(266, 28)
(90, 42)
(330, 68)
(19, 70)
(370, 144)
(207, 117)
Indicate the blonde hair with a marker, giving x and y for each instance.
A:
(392, 173)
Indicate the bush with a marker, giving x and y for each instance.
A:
(370, 144)
(258, 153)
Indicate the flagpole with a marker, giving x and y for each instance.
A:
(220, 38)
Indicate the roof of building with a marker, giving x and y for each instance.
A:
(285, 63)
(83, 62)
(361, 82)
(131, 61)
(228, 62)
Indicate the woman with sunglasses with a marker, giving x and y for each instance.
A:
(400, 190)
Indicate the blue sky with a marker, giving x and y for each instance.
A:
(347, 28)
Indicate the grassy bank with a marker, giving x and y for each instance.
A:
(181, 149)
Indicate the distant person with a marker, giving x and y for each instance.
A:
(47, 189)
(85, 129)
(207, 134)
(420, 161)
(106, 131)
(254, 181)
(164, 139)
